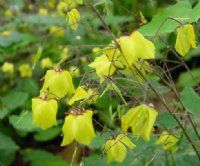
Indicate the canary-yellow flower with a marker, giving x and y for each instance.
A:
(44, 112)
(8, 67)
(58, 83)
(89, 95)
(73, 17)
(185, 39)
(141, 120)
(168, 141)
(135, 47)
(25, 70)
(116, 148)
(78, 127)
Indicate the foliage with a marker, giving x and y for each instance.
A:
(112, 82)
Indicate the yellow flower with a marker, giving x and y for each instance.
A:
(51, 3)
(8, 12)
(43, 11)
(81, 94)
(46, 63)
(62, 9)
(25, 70)
(141, 120)
(73, 17)
(105, 66)
(8, 67)
(56, 31)
(136, 46)
(78, 127)
(168, 141)
(58, 82)
(44, 112)
(6, 33)
(116, 148)
(75, 72)
(185, 39)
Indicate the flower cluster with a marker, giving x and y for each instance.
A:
(129, 52)
(67, 8)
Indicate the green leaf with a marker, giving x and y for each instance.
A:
(195, 14)
(189, 79)
(48, 134)
(191, 100)
(43, 158)
(186, 160)
(6, 143)
(7, 149)
(166, 120)
(6, 157)
(14, 100)
(14, 37)
(99, 140)
(4, 112)
(23, 122)
(180, 10)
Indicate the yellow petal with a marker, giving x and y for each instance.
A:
(136, 46)
(78, 128)
(103, 66)
(85, 132)
(25, 70)
(44, 112)
(144, 48)
(59, 83)
(152, 114)
(80, 94)
(185, 39)
(8, 67)
(73, 17)
(168, 141)
(124, 139)
(115, 151)
(69, 129)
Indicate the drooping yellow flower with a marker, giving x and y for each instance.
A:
(58, 83)
(141, 120)
(8, 13)
(62, 9)
(105, 65)
(73, 17)
(75, 72)
(5, 33)
(168, 141)
(116, 148)
(46, 63)
(25, 70)
(134, 47)
(8, 67)
(44, 112)
(185, 39)
(81, 94)
(56, 31)
(78, 127)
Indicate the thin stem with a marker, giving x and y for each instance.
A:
(74, 155)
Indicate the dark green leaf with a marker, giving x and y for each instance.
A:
(23, 122)
(43, 158)
(191, 100)
(166, 120)
(48, 134)
(14, 99)
(180, 10)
